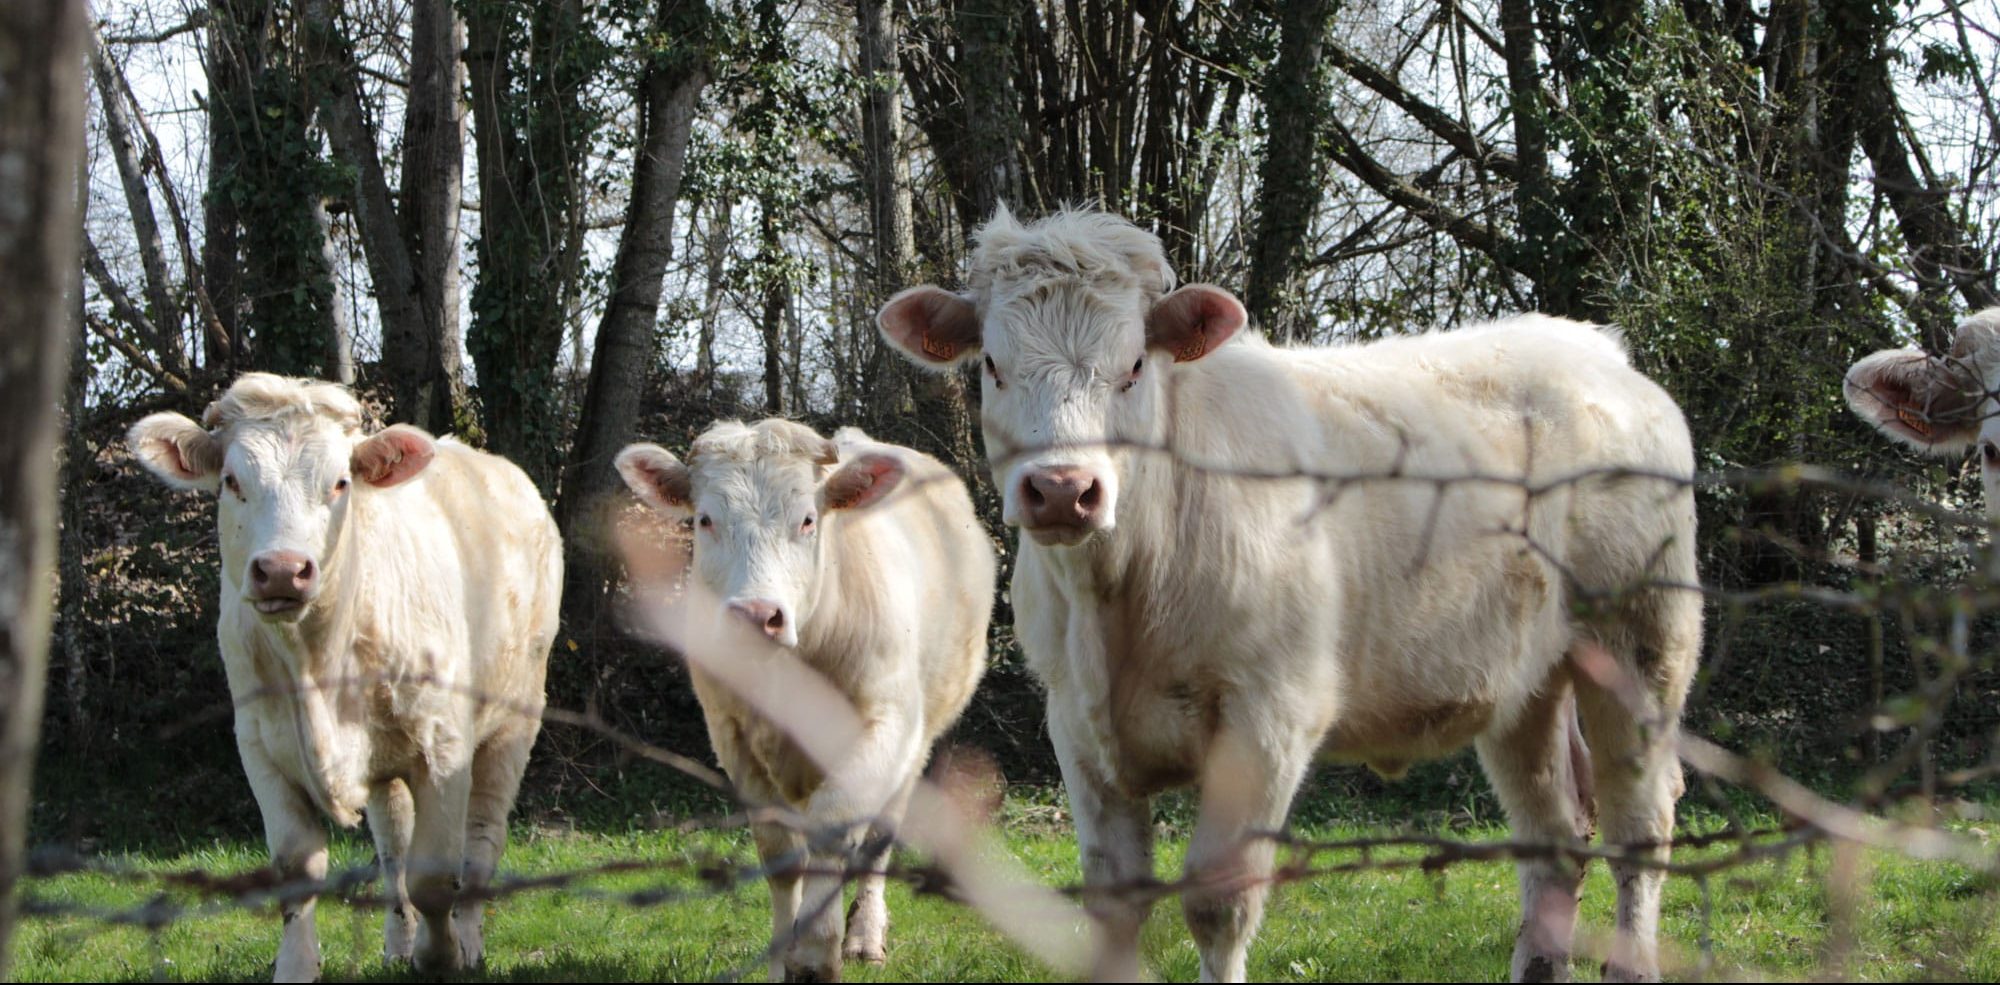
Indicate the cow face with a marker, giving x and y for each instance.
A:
(759, 498)
(284, 458)
(1074, 330)
(1938, 405)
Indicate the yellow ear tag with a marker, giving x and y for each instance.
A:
(939, 349)
(1913, 422)
(1193, 350)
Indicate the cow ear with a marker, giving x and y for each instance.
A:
(177, 450)
(931, 326)
(1193, 321)
(1928, 403)
(863, 481)
(656, 476)
(393, 455)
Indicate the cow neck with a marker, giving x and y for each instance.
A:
(839, 589)
(325, 634)
(318, 662)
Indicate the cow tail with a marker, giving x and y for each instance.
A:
(1580, 771)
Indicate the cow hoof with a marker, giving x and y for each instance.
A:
(805, 973)
(295, 970)
(441, 961)
(1539, 968)
(399, 935)
(1620, 973)
(870, 952)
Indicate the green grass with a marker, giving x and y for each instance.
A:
(1918, 920)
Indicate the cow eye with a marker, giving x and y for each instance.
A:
(806, 525)
(229, 481)
(706, 523)
(340, 487)
(994, 371)
(1134, 378)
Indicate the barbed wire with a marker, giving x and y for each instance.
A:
(947, 825)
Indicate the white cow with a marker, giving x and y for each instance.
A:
(388, 603)
(1938, 405)
(1202, 614)
(867, 561)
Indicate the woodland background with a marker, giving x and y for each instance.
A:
(552, 228)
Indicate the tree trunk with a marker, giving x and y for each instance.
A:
(77, 467)
(427, 373)
(771, 320)
(409, 338)
(885, 173)
(338, 362)
(1534, 194)
(530, 140)
(163, 312)
(41, 144)
(1289, 178)
(625, 350)
(229, 77)
(715, 247)
(990, 142)
(264, 131)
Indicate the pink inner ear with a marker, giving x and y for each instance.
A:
(176, 460)
(396, 455)
(862, 481)
(668, 482)
(1192, 322)
(931, 323)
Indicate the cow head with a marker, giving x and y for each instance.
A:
(759, 497)
(1938, 405)
(285, 458)
(1074, 321)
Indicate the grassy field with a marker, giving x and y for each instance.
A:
(1918, 920)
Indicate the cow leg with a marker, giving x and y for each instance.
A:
(782, 850)
(297, 838)
(868, 917)
(1114, 839)
(1246, 788)
(854, 795)
(390, 816)
(1531, 768)
(1638, 781)
(437, 864)
(496, 779)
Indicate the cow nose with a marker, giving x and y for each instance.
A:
(761, 613)
(282, 574)
(1061, 497)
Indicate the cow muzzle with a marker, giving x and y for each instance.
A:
(768, 617)
(282, 582)
(1063, 504)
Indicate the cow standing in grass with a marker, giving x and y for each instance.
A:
(1203, 610)
(866, 562)
(388, 604)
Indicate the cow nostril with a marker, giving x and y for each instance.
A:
(1032, 494)
(1090, 497)
(305, 572)
(258, 574)
(777, 621)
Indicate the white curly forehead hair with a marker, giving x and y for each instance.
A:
(269, 397)
(772, 438)
(1105, 251)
